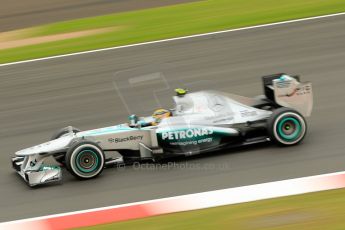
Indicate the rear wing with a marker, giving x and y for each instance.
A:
(288, 91)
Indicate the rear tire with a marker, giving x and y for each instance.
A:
(286, 127)
(85, 160)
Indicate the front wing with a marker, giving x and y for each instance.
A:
(33, 170)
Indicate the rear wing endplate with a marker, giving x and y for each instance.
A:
(288, 91)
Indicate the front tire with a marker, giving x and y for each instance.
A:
(286, 127)
(85, 160)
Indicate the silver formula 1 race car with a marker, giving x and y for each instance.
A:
(200, 122)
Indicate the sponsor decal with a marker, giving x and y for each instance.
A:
(221, 117)
(125, 139)
(33, 163)
(186, 134)
(304, 90)
(226, 119)
(248, 113)
(196, 142)
(299, 91)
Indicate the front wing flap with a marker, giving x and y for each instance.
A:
(33, 170)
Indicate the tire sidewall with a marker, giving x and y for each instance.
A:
(279, 115)
(75, 150)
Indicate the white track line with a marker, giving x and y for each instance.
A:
(175, 39)
(222, 197)
(169, 198)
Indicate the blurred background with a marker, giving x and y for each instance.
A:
(96, 89)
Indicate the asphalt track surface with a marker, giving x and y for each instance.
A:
(39, 97)
(21, 14)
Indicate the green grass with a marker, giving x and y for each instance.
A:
(168, 22)
(316, 211)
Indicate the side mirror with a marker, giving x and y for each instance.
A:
(133, 120)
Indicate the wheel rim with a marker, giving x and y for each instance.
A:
(289, 128)
(87, 161)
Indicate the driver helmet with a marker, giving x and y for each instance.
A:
(160, 114)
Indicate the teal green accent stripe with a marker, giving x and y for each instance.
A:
(115, 129)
